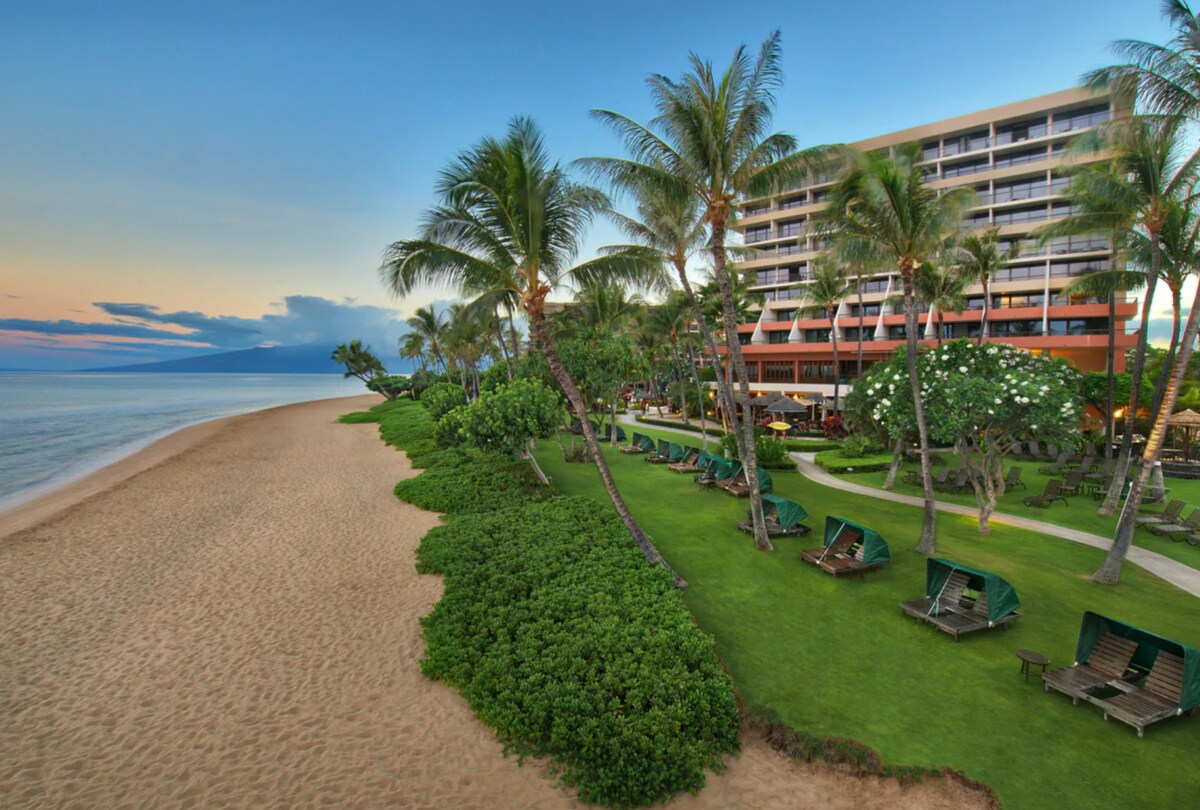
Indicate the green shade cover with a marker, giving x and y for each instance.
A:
(765, 484)
(644, 442)
(1002, 597)
(703, 460)
(1094, 626)
(692, 452)
(664, 447)
(875, 550)
(789, 512)
(676, 452)
(726, 469)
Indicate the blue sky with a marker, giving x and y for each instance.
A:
(230, 160)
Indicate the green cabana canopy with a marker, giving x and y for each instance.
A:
(765, 484)
(1001, 597)
(643, 441)
(789, 512)
(875, 549)
(1094, 626)
(664, 447)
(726, 469)
(676, 452)
(703, 460)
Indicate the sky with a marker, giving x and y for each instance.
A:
(180, 179)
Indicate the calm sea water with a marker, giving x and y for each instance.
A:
(57, 427)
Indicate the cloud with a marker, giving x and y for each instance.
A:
(156, 334)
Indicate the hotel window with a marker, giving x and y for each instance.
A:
(766, 277)
(1079, 326)
(868, 333)
(867, 310)
(1018, 300)
(820, 196)
(874, 286)
(1021, 190)
(1015, 215)
(1077, 268)
(966, 167)
(1083, 244)
(752, 372)
(1015, 133)
(896, 333)
(929, 151)
(788, 249)
(758, 234)
(980, 219)
(1020, 158)
(959, 144)
(791, 228)
(1062, 209)
(1063, 298)
(983, 194)
(779, 336)
(1057, 149)
(1021, 273)
(816, 371)
(779, 372)
(793, 202)
(816, 335)
(757, 208)
(785, 314)
(1059, 183)
(1014, 328)
(794, 274)
(1081, 118)
(929, 173)
(744, 339)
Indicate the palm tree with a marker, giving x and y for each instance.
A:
(745, 301)
(942, 288)
(510, 218)
(1132, 193)
(823, 294)
(978, 257)
(1179, 248)
(710, 142)
(1164, 78)
(432, 326)
(359, 361)
(881, 210)
(412, 347)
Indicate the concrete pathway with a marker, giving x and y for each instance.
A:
(1178, 574)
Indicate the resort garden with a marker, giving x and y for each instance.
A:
(629, 619)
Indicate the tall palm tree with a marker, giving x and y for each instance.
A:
(745, 301)
(979, 257)
(881, 210)
(359, 361)
(942, 288)
(823, 294)
(412, 347)
(510, 218)
(432, 326)
(711, 142)
(1132, 193)
(1179, 249)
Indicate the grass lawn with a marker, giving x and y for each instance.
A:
(836, 657)
(1079, 513)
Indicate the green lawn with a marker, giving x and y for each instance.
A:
(836, 657)
(1079, 513)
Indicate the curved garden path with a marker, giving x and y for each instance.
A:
(1174, 572)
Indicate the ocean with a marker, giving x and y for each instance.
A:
(58, 427)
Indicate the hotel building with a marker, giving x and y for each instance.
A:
(1012, 157)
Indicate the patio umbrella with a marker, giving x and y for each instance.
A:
(1189, 420)
(779, 426)
(785, 405)
(765, 399)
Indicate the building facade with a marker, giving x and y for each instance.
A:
(1012, 157)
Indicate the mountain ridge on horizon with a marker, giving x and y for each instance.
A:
(302, 359)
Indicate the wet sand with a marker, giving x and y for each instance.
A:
(230, 618)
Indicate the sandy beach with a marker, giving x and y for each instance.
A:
(231, 618)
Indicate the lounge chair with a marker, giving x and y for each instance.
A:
(1049, 453)
(783, 518)
(1072, 485)
(640, 443)
(1188, 525)
(1058, 466)
(1100, 488)
(849, 549)
(1084, 466)
(727, 473)
(1035, 452)
(1089, 449)
(947, 607)
(1169, 515)
(1049, 496)
(689, 463)
(740, 486)
(939, 477)
(1104, 471)
(1108, 662)
(660, 456)
(1013, 479)
(1156, 699)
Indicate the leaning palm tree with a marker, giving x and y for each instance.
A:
(823, 295)
(881, 210)
(1179, 249)
(432, 326)
(412, 347)
(511, 218)
(942, 288)
(979, 257)
(1131, 193)
(711, 143)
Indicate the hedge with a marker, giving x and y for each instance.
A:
(711, 431)
(833, 461)
(476, 483)
(568, 644)
(812, 445)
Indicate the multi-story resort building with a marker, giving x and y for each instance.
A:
(1012, 156)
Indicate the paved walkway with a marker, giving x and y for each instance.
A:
(1178, 574)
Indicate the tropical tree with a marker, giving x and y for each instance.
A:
(823, 294)
(711, 142)
(510, 218)
(881, 210)
(359, 361)
(942, 288)
(412, 347)
(978, 257)
(745, 301)
(1132, 193)
(432, 327)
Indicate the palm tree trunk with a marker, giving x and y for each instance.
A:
(1111, 369)
(679, 380)
(1110, 570)
(983, 322)
(699, 393)
(537, 323)
(749, 452)
(837, 365)
(926, 545)
(1113, 497)
(858, 371)
(1160, 385)
(503, 349)
(894, 467)
(941, 328)
(514, 336)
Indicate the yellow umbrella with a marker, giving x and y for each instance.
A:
(779, 426)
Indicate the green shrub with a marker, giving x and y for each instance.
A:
(569, 645)
(358, 418)
(481, 483)
(390, 385)
(694, 428)
(859, 445)
(812, 445)
(834, 462)
(441, 398)
(448, 430)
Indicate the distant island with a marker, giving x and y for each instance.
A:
(308, 359)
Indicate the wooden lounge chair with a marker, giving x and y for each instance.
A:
(1100, 489)
(838, 557)
(959, 619)
(950, 594)
(939, 477)
(740, 486)
(1049, 496)
(960, 482)
(772, 505)
(1169, 515)
(1085, 465)
(1049, 453)
(660, 456)
(1073, 484)
(1188, 525)
(640, 443)
(1104, 471)
(1108, 662)
(1013, 479)
(688, 464)
(1156, 699)
(1058, 466)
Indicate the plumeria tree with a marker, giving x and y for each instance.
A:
(981, 399)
